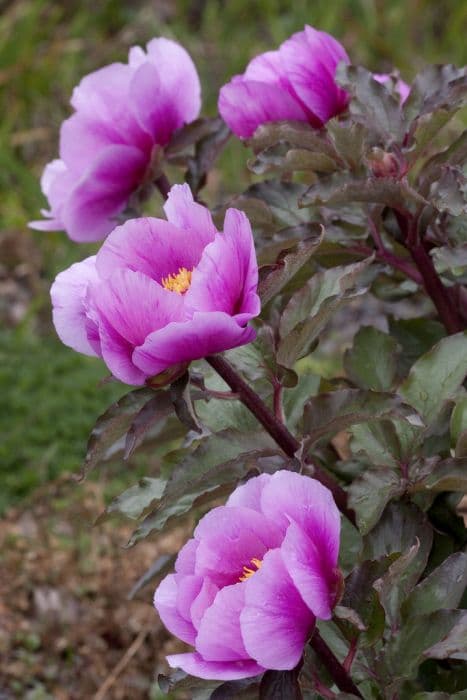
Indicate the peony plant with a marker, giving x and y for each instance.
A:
(300, 372)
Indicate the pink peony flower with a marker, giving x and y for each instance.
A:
(121, 112)
(400, 85)
(249, 586)
(296, 82)
(161, 293)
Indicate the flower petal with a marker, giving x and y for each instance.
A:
(226, 278)
(195, 665)
(245, 104)
(306, 510)
(165, 602)
(152, 246)
(68, 294)
(103, 192)
(310, 60)
(189, 216)
(219, 637)
(129, 306)
(165, 91)
(205, 334)
(248, 495)
(186, 559)
(275, 622)
(229, 538)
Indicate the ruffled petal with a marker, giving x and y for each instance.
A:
(165, 602)
(68, 293)
(189, 216)
(203, 601)
(226, 278)
(245, 104)
(229, 538)
(129, 306)
(219, 637)
(195, 665)
(154, 247)
(56, 184)
(186, 558)
(306, 511)
(205, 334)
(103, 192)
(275, 622)
(248, 495)
(310, 59)
(165, 91)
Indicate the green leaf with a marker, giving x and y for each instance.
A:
(295, 134)
(112, 425)
(282, 201)
(309, 310)
(435, 87)
(295, 398)
(134, 501)
(454, 643)
(459, 426)
(435, 474)
(443, 588)
(436, 376)
(360, 596)
(419, 639)
(451, 260)
(372, 103)
(416, 336)
(273, 278)
(371, 362)
(207, 150)
(370, 493)
(341, 188)
(397, 530)
(425, 128)
(157, 408)
(378, 441)
(348, 140)
(397, 582)
(448, 192)
(327, 414)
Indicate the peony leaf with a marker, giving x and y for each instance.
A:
(443, 588)
(435, 474)
(277, 685)
(371, 362)
(454, 643)
(371, 492)
(436, 376)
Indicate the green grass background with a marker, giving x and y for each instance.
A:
(51, 396)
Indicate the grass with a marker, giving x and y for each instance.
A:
(50, 395)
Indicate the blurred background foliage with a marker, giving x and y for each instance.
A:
(50, 395)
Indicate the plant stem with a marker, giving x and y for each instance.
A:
(339, 675)
(163, 185)
(278, 431)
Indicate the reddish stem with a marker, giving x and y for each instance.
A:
(339, 675)
(278, 431)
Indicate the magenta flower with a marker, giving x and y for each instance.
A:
(161, 293)
(296, 82)
(122, 112)
(249, 586)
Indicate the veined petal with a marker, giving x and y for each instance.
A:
(204, 334)
(165, 602)
(195, 665)
(248, 495)
(189, 216)
(275, 622)
(244, 104)
(226, 277)
(152, 246)
(68, 293)
(219, 637)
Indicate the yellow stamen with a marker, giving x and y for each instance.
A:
(248, 573)
(179, 282)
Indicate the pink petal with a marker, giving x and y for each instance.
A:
(103, 192)
(129, 306)
(203, 601)
(229, 538)
(152, 246)
(226, 278)
(68, 294)
(248, 495)
(165, 91)
(195, 665)
(275, 621)
(244, 104)
(306, 510)
(185, 562)
(310, 60)
(205, 334)
(189, 216)
(219, 637)
(165, 602)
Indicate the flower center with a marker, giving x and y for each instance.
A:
(247, 572)
(179, 282)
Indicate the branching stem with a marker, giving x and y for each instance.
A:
(339, 675)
